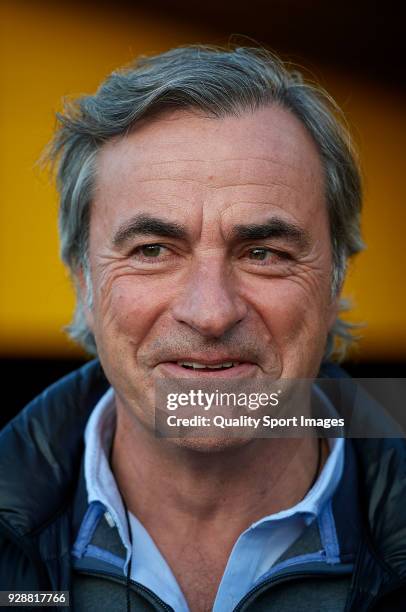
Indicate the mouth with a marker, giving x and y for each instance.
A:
(188, 368)
(195, 365)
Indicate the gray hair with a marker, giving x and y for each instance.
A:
(219, 82)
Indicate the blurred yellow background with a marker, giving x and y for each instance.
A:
(50, 51)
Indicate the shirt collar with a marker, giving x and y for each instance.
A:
(102, 487)
(100, 482)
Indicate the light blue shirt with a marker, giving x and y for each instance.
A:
(254, 552)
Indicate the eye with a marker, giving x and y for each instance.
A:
(153, 254)
(152, 257)
(259, 254)
(150, 251)
(265, 254)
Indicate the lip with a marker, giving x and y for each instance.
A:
(172, 369)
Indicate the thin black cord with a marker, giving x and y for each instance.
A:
(128, 581)
(127, 516)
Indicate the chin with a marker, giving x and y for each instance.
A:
(207, 445)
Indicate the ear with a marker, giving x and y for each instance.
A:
(83, 289)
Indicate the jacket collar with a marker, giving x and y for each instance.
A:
(47, 438)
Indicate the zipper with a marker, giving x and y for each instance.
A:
(140, 588)
(288, 577)
(271, 581)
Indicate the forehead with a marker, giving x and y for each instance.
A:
(183, 160)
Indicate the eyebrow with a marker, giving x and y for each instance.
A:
(273, 228)
(144, 225)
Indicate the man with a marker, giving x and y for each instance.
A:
(209, 204)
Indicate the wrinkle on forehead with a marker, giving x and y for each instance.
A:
(225, 159)
(225, 174)
(208, 168)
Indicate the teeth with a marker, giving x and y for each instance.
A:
(192, 364)
(203, 366)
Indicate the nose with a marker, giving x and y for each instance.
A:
(208, 303)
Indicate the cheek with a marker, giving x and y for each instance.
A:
(128, 311)
(292, 312)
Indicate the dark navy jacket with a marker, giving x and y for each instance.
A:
(42, 507)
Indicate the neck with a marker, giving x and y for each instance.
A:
(226, 489)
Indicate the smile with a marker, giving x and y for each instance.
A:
(194, 365)
(220, 368)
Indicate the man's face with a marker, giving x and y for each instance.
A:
(209, 246)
